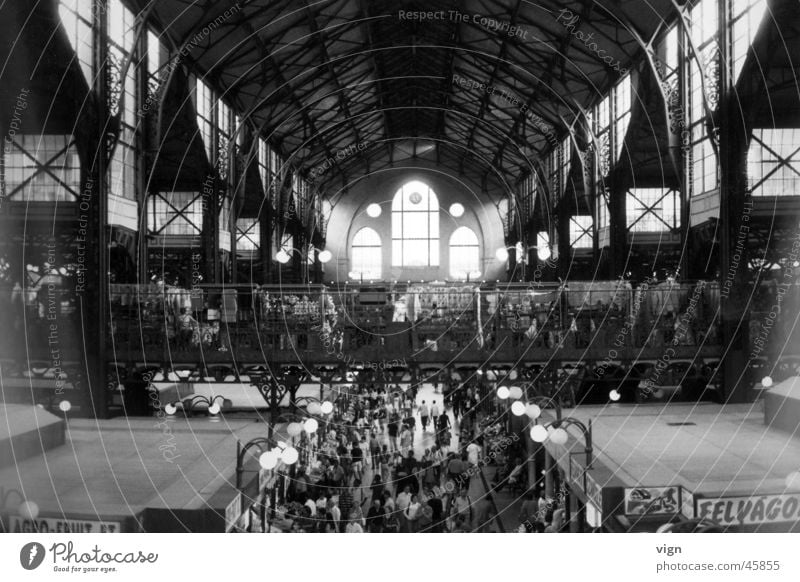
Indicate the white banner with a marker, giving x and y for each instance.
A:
(233, 512)
(751, 510)
(58, 525)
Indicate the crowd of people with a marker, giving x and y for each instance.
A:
(373, 471)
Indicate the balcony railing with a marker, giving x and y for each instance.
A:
(582, 320)
(423, 321)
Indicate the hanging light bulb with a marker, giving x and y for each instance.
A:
(268, 460)
(290, 455)
(503, 392)
(518, 408)
(327, 407)
(559, 436)
(456, 210)
(311, 426)
(538, 433)
(614, 395)
(533, 411)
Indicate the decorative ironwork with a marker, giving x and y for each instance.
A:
(114, 82)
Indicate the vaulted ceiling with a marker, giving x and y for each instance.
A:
(322, 77)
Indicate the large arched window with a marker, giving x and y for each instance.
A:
(367, 255)
(415, 226)
(465, 254)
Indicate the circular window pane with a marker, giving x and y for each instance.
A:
(456, 210)
(374, 210)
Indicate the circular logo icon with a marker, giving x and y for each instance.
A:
(31, 555)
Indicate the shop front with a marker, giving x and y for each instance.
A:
(227, 510)
(597, 493)
(600, 501)
(272, 486)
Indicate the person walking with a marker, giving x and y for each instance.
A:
(412, 513)
(393, 428)
(443, 431)
(428, 470)
(359, 495)
(377, 488)
(336, 513)
(375, 452)
(456, 467)
(366, 455)
(386, 465)
(375, 517)
(435, 412)
(357, 455)
(405, 441)
(403, 501)
(389, 503)
(410, 473)
(437, 460)
(425, 519)
(474, 450)
(457, 400)
(345, 504)
(424, 413)
(312, 505)
(337, 475)
(411, 425)
(391, 523)
(437, 512)
(462, 508)
(356, 514)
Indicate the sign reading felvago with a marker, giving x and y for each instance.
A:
(751, 510)
(58, 525)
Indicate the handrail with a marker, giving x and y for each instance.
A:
(497, 519)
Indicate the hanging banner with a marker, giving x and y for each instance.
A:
(652, 500)
(233, 512)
